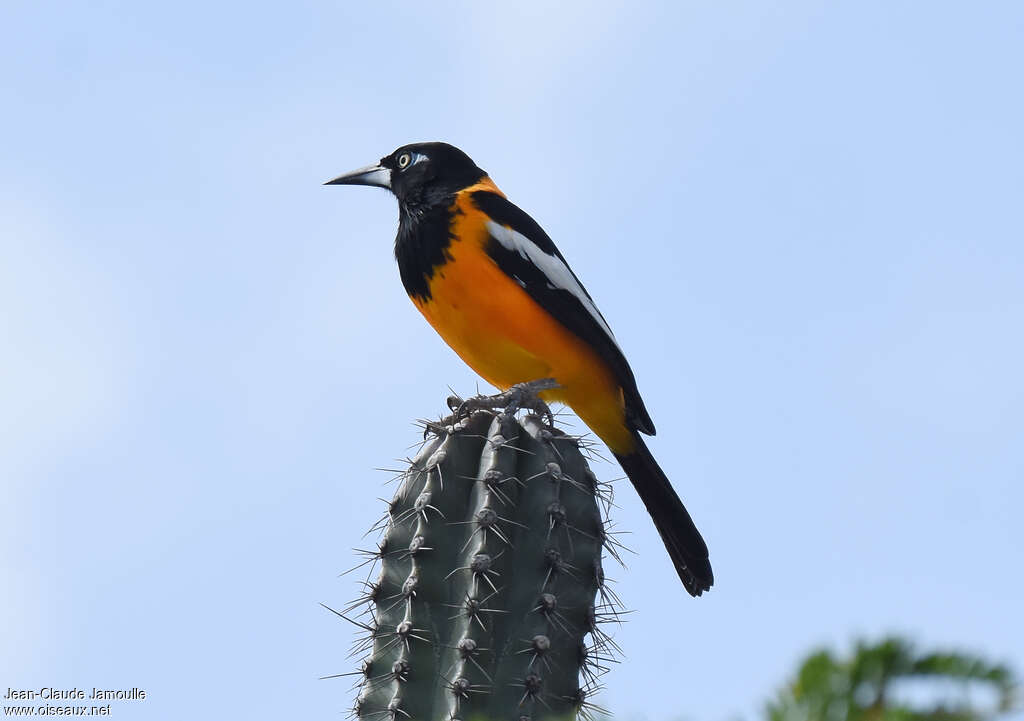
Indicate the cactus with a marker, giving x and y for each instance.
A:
(490, 569)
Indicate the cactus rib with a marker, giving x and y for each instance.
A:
(490, 568)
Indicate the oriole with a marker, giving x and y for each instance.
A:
(494, 286)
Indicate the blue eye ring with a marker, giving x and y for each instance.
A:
(408, 158)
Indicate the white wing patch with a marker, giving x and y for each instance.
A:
(555, 271)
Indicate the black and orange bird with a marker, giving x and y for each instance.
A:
(494, 286)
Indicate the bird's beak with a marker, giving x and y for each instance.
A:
(376, 175)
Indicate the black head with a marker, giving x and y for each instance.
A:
(421, 175)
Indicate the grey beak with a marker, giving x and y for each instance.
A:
(376, 175)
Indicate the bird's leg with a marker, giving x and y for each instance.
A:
(521, 395)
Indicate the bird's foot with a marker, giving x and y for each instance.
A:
(519, 396)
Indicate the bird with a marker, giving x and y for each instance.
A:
(497, 290)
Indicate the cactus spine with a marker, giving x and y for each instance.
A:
(490, 567)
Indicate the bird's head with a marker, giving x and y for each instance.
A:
(421, 175)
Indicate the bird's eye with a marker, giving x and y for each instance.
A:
(404, 160)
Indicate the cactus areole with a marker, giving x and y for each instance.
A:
(490, 584)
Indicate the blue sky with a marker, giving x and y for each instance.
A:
(803, 222)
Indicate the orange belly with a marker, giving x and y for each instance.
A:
(506, 337)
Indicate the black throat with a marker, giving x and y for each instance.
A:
(424, 235)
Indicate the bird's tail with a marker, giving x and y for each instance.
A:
(683, 541)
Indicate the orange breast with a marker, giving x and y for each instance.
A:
(506, 337)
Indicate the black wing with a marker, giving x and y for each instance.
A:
(524, 251)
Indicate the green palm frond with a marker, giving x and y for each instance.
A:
(859, 688)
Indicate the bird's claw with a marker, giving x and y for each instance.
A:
(521, 395)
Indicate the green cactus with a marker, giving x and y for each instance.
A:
(490, 569)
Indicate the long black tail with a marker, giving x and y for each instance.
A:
(685, 546)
